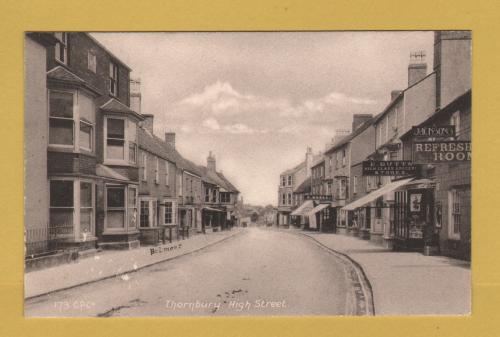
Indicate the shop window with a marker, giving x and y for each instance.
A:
(378, 209)
(61, 47)
(92, 61)
(455, 120)
(113, 79)
(61, 118)
(455, 213)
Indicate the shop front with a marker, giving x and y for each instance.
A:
(300, 214)
(212, 219)
(416, 226)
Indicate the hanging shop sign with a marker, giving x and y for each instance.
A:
(441, 151)
(389, 168)
(443, 131)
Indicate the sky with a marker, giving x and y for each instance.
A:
(257, 100)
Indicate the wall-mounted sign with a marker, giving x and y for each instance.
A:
(389, 168)
(443, 131)
(445, 151)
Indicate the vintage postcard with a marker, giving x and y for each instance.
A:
(320, 173)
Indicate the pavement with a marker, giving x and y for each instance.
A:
(406, 283)
(258, 272)
(111, 263)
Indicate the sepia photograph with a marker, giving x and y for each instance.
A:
(266, 173)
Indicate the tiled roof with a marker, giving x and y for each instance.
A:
(304, 187)
(62, 74)
(229, 186)
(157, 146)
(114, 105)
(295, 169)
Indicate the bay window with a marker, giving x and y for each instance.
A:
(72, 209)
(120, 136)
(68, 109)
(115, 139)
(121, 207)
(115, 207)
(61, 118)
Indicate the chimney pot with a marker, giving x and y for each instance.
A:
(417, 69)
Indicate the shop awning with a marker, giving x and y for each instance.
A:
(376, 194)
(212, 209)
(304, 208)
(317, 209)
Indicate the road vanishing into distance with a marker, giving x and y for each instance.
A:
(257, 272)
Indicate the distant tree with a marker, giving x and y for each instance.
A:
(254, 217)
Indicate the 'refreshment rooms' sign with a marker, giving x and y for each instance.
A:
(389, 168)
(441, 151)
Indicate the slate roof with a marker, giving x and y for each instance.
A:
(229, 186)
(295, 169)
(305, 187)
(61, 74)
(158, 147)
(114, 105)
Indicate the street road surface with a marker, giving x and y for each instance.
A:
(257, 272)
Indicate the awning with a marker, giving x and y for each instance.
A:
(212, 209)
(317, 209)
(304, 208)
(376, 194)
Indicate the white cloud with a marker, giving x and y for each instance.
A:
(211, 123)
(239, 128)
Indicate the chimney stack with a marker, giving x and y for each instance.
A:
(148, 122)
(170, 139)
(309, 161)
(135, 94)
(417, 69)
(211, 162)
(359, 119)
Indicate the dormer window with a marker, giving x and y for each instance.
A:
(61, 48)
